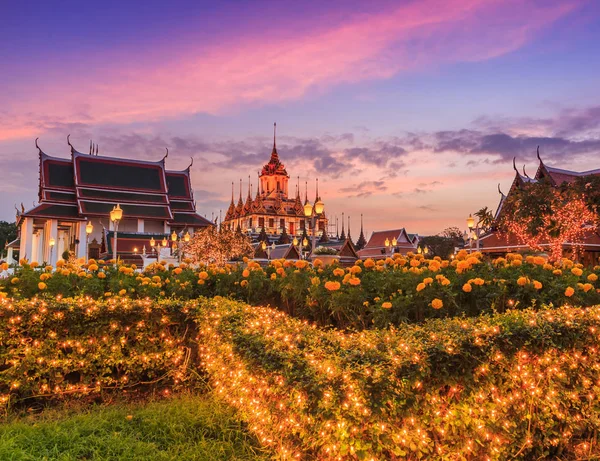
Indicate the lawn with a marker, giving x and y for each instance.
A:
(186, 427)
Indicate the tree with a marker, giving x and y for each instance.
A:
(438, 245)
(485, 218)
(211, 246)
(8, 232)
(539, 213)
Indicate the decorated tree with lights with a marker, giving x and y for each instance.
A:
(211, 246)
(539, 213)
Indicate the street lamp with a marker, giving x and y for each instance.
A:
(51, 242)
(115, 216)
(473, 234)
(426, 250)
(419, 249)
(89, 228)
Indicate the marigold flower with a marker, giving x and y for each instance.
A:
(332, 286)
(587, 287)
(569, 292)
(244, 283)
(14, 280)
(516, 262)
(557, 272)
(245, 273)
(122, 292)
(576, 271)
(467, 288)
(387, 305)
(273, 276)
(42, 286)
(427, 280)
(537, 285)
(421, 286)
(203, 275)
(592, 277)
(354, 281)
(415, 262)
(437, 303)
(101, 275)
(177, 270)
(522, 281)
(338, 272)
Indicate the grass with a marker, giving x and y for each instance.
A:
(188, 427)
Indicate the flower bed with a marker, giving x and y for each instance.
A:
(522, 384)
(368, 294)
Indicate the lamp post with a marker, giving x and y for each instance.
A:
(473, 234)
(295, 244)
(312, 213)
(89, 228)
(153, 244)
(115, 216)
(305, 245)
(51, 242)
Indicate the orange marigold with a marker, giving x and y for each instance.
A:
(467, 288)
(387, 305)
(332, 286)
(569, 292)
(437, 303)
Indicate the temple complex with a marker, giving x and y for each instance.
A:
(77, 194)
(273, 210)
(494, 242)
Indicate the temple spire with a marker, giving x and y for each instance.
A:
(343, 234)
(317, 192)
(362, 241)
(274, 135)
(232, 192)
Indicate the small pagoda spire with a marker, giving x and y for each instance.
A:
(337, 233)
(317, 192)
(343, 234)
(349, 237)
(274, 134)
(298, 188)
(258, 187)
(232, 187)
(362, 241)
(306, 192)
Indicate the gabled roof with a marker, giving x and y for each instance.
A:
(378, 238)
(179, 185)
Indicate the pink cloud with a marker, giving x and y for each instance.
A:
(259, 70)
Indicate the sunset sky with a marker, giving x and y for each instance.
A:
(409, 112)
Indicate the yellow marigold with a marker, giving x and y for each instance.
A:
(587, 287)
(338, 272)
(93, 267)
(539, 260)
(472, 260)
(101, 275)
(569, 292)
(122, 292)
(434, 266)
(354, 281)
(415, 262)
(467, 288)
(65, 272)
(557, 272)
(34, 264)
(107, 294)
(537, 285)
(421, 286)
(14, 280)
(592, 277)
(280, 271)
(203, 275)
(445, 281)
(317, 262)
(315, 281)
(301, 264)
(177, 270)
(376, 299)
(81, 274)
(355, 270)
(576, 271)
(380, 263)
(332, 286)
(244, 283)
(44, 277)
(276, 264)
(529, 259)
(387, 305)
(200, 282)
(516, 262)
(522, 281)
(437, 303)
(60, 263)
(369, 263)
(479, 281)
(273, 276)
(427, 280)
(445, 263)
(42, 286)
(548, 267)
(499, 261)
(245, 273)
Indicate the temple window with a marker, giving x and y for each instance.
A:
(271, 222)
(261, 222)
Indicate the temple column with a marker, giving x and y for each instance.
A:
(83, 244)
(51, 232)
(140, 225)
(26, 245)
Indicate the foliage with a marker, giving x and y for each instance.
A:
(186, 427)
(439, 245)
(214, 246)
(368, 294)
(63, 346)
(485, 218)
(520, 384)
(8, 232)
(539, 213)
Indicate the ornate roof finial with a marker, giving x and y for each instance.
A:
(69, 143)
(515, 165)
(91, 147)
(36, 145)
(240, 189)
(231, 191)
(274, 134)
(499, 191)
(306, 191)
(166, 155)
(97, 149)
(524, 172)
(538, 154)
(191, 163)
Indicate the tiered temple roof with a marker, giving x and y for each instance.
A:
(88, 185)
(376, 249)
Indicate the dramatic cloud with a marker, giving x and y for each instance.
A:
(258, 69)
(364, 189)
